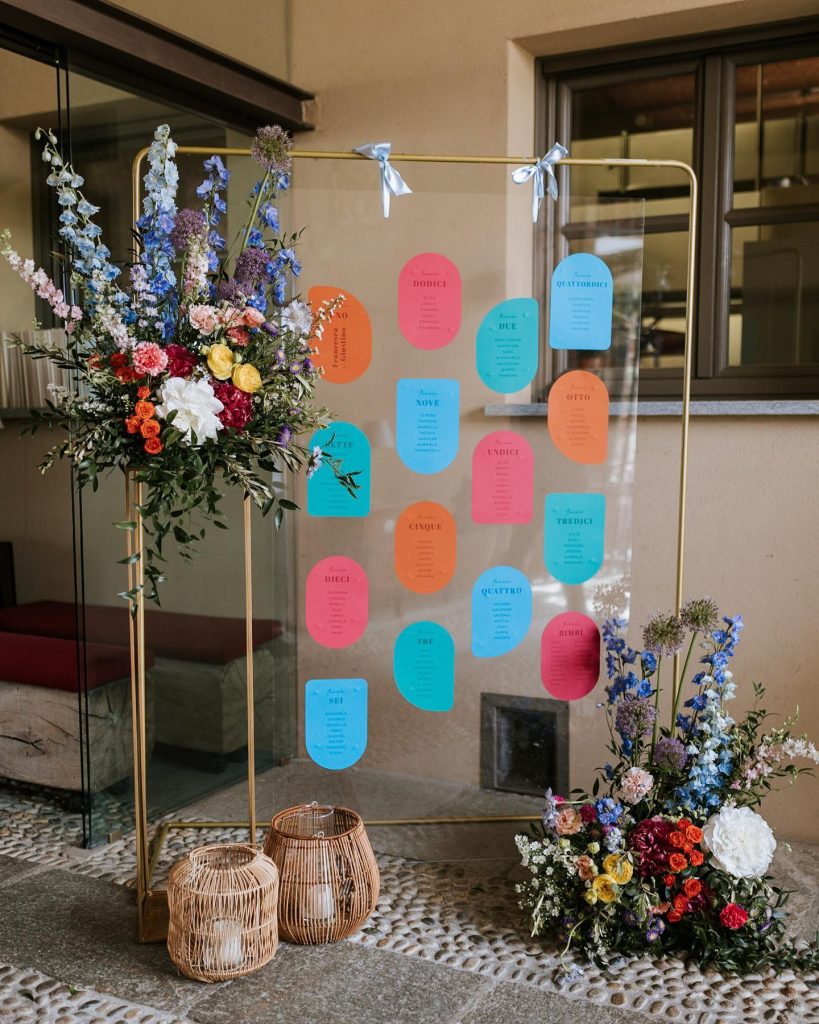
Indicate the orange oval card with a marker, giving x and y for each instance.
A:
(579, 417)
(346, 345)
(425, 542)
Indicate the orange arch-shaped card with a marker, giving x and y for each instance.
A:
(346, 346)
(579, 417)
(425, 543)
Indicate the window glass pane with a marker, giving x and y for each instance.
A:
(644, 118)
(774, 309)
(776, 136)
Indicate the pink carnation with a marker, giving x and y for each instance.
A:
(238, 335)
(204, 319)
(252, 317)
(149, 358)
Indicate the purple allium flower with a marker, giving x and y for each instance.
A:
(634, 716)
(251, 267)
(188, 223)
(231, 291)
(663, 634)
(271, 148)
(700, 614)
(670, 753)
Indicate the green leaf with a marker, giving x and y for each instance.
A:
(126, 524)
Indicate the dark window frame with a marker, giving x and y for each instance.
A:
(713, 59)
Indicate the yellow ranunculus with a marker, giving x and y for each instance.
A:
(605, 888)
(619, 867)
(590, 896)
(220, 361)
(247, 378)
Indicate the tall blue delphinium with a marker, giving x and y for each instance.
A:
(629, 692)
(157, 222)
(707, 729)
(216, 180)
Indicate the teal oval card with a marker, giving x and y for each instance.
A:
(506, 351)
(424, 666)
(574, 535)
(325, 495)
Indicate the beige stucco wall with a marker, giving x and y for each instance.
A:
(459, 77)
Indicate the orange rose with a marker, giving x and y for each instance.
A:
(677, 862)
(693, 834)
(669, 880)
(126, 374)
(676, 839)
(697, 857)
(683, 824)
(149, 428)
(132, 425)
(144, 410)
(680, 903)
(153, 446)
(143, 392)
(674, 916)
(692, 887)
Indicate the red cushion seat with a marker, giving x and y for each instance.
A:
(203, 638)
(51, 662)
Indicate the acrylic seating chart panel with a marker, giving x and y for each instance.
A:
(481, 530)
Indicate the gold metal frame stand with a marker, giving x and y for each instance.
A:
(152, 904)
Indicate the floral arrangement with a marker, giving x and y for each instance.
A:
(200, 366)
(667, 853)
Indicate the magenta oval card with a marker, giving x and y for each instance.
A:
(337, 601)
(503, 474)
(429, 301)
(570, 656)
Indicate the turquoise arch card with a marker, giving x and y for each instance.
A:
(581, 303)
(506, 350)
(325, 495)
(501, 611)
(427, 422)
(424, 666)
(574, 535)
(335, 721)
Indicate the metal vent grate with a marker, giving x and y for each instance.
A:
(524, 744)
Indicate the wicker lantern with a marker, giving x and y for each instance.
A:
(222, 901)
(329, 878)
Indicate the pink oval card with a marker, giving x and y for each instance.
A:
(429, 301)
(503, 474)
(337, 601)
(570, 656)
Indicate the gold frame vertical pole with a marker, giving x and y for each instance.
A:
(251, 705)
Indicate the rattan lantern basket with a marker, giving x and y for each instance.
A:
(222, 901)
(329, 882)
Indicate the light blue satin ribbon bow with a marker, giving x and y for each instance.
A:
(391, 181)
(540, 171)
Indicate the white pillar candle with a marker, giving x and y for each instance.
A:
(223, 947)
(319, 903)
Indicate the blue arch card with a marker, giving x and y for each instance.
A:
(427, 422)
(424, 666)
(506, 350)
(581, 304)
(501, 611)
(325, 495)
(335, 721)
(574, 535)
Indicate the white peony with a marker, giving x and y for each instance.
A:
(195, 406)
(740, 841)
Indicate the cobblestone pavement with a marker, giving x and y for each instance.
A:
(451, 916)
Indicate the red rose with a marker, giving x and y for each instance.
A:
(153, 446)
(677, 862)
(692, 887)
(238, 405)
(181, 361)
(118, 359)
(697, 857)
(683, 824)
(670, 880)
(733, 916)
(680, 903)
(588, 813)
(674, 916)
